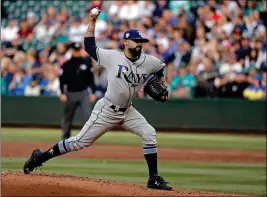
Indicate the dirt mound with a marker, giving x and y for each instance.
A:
(45, 184)
(96, 151)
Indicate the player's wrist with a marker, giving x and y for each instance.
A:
(91, 30)
(92, 22)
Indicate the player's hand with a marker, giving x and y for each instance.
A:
(92, 98)
(63, 98)
(92, 15)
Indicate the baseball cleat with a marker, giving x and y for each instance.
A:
(31, 163)
(158, 182)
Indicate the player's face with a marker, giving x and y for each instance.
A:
(134, 47)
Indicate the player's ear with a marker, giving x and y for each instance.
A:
(124, 44)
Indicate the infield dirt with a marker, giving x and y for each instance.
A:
(45, 184)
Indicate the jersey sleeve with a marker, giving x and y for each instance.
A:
(105, 56)
(158, 65)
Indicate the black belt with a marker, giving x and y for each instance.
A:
(118, 109)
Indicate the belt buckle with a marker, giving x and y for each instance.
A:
(117, 108)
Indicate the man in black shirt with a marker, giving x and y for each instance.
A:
(235, 87)
(75, 79)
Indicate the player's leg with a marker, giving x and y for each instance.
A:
(137, 124)
(69, 109)
(95, 127)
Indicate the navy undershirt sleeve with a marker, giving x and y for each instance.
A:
(90, 47)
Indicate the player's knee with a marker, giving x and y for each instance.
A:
(149, 136)
(76, 144)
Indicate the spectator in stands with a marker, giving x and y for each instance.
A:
(113, 11)
(205, 79)
(33, 89)
(50, 81)
(30, 60)
(59, 55)
(199, 52)
(176, 6)
(31, 20)
(8, 70)
(61, 34)
(3, 86)
(40, 63)
(188, 31)
(11, 48)
(19, 82)
(51, 14)
(45, 29)
(169, 18)
(25, 32)
(9, 33)
(161, 39)
(263, 70)
(183, 54)
(230, 66)
(145, 8)
(232, 88)
(255, 91)
(5, 65)
(261, 52)
(76, 30)
(43, 58)
(20, 60)
(245, 49)
(183, 84)
(33, 64)
(129, 11)
(160, 6)
(192, 69)
(63, 16)
(171, 72)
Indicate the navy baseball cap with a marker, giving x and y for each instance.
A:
(76, 45)
(135, 35)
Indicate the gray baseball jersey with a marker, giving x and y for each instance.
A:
(125, 78)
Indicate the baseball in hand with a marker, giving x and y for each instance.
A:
(95, 11)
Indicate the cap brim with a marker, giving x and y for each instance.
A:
(141, 39)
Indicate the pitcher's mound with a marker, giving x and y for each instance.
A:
(45, 184)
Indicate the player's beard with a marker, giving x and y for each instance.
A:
(135, 51)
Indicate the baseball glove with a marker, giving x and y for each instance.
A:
(156, 90)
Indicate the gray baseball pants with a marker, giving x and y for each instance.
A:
(102, 119)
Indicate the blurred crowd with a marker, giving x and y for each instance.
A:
(217, 49)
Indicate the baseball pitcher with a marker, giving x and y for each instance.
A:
(128, 71)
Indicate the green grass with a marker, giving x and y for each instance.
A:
(217, 177)
(178, 140)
